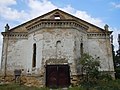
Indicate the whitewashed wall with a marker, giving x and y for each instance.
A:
(20, 51)
(100, 47)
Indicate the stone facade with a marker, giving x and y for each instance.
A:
(57, 37)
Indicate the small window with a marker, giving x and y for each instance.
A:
(81, 49)
(57, 17)
(34, 56)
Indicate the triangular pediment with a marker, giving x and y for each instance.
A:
(58, 15)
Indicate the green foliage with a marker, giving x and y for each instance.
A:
(19, 87)
(117, 65)
(104, 77)
(89, 68)
(116, 60)
(101, 85)
(76, 88)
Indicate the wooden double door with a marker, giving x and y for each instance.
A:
(57, 76)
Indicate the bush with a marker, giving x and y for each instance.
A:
(103, 85)
(105, 77)
(89, 68)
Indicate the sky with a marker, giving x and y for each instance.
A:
(97, 12)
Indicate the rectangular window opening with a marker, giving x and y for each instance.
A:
(34, 56)
(57, 17)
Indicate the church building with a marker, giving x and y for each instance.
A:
(47, 50)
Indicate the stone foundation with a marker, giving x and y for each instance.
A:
(36, 81)
(75, 79)
(25, 80)
(32, 81)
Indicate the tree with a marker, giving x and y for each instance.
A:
(117, 64)
(90, 67)
(116, 59)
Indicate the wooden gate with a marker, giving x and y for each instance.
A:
(57, 76)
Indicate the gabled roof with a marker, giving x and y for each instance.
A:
(47, 16)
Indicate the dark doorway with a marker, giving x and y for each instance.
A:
(57, 76)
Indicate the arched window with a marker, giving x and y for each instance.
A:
(81, 49)
(34, 55)
(58, 48)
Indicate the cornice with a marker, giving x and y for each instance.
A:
(49, 23)
(98, 35)
(14, 35)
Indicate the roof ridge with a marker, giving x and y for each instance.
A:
(52, 12)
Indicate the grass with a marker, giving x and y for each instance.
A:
(19, 87)
(102, 85)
